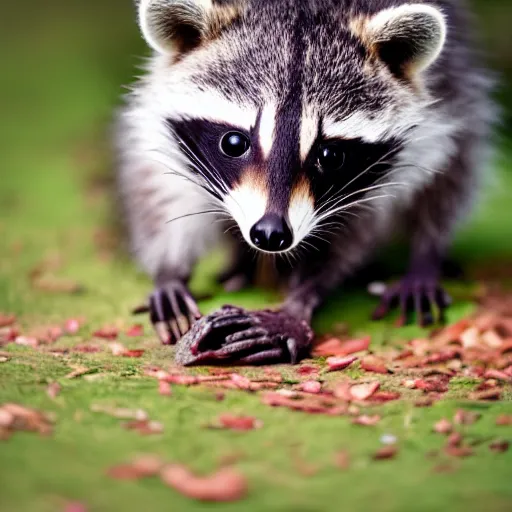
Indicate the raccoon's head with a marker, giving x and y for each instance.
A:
(291, 111)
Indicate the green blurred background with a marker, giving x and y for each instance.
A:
(63, 65)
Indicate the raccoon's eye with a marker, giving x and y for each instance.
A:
(330, 157)
(235, 144)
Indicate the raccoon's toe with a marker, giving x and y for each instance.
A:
(172, 311)
(424, 296)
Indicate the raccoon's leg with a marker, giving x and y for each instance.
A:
(430, 223)
(166, 244)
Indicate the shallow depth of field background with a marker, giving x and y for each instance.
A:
(63, 64)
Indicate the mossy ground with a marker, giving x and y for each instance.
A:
(61, 72)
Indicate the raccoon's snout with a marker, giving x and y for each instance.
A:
(271, 233)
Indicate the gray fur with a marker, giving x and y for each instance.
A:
(306, 53)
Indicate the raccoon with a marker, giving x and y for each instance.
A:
(317, 128)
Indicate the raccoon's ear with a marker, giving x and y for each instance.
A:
(408, 38)
(178, 26)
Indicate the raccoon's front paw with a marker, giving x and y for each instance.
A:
(422, 294)
(234, 335)
(173, 311)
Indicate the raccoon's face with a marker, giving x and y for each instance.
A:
(291, 112)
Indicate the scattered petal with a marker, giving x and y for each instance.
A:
(121, 413)
(164, 388)
(339, 363)
(307, 369)
(145, 427)
(7, 320)
(234, 422)
(499, 446)
(27, 341)
(75, 506)
(77, 371)
(366, 420)
(363, 391)
(375, 365)
(72, 326)
(459, 451)
(133, 353)
(385, 396)
(311, 386)
(504, 420)
(135, 330)
(225, 485)
(487, 394)
(386, 452)
(107, 333)
(53, 390)
(443, 426)
(464, 417)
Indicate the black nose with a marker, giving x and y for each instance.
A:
(271, 233)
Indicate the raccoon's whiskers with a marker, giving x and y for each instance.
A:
(219, 212)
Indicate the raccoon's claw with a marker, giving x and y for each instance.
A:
(173, 311)
(233, 335)
(423, 295)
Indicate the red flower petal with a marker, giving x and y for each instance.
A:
(340, 363)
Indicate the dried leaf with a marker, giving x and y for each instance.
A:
(366, 420)
(504, 420)
(164, 388)
(307, 369)
(72, 325)
(27, 341)
(75, 506)
(133, 353)
(487, 394)
(311, 386)
(121, 413)
(458, 451)
(53, 390)
(386, 452)
(339, 363)
(225, 485)
(443, 426)
(235, 422)
(464, 417)
(145, 427)
(374, 364)
(7, 320)
(499, 446)
(107, 333)
(77, 371)
(135, 330)
(363, 391)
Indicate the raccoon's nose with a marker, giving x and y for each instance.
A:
(271, 233)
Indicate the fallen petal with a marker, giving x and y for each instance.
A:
(499, 446)
(386, 452)
(234, 422)
(225, 485)
(443, 426)
(504, 420)
(164, 388)
(363, 391)
(375, 365)
(135, 330)
(366, 420)
(53, 389)
(311, 386)
(339, 363)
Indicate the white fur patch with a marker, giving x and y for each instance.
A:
(308, 132)
(246, 204)
(301, 214)
(267, 126)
